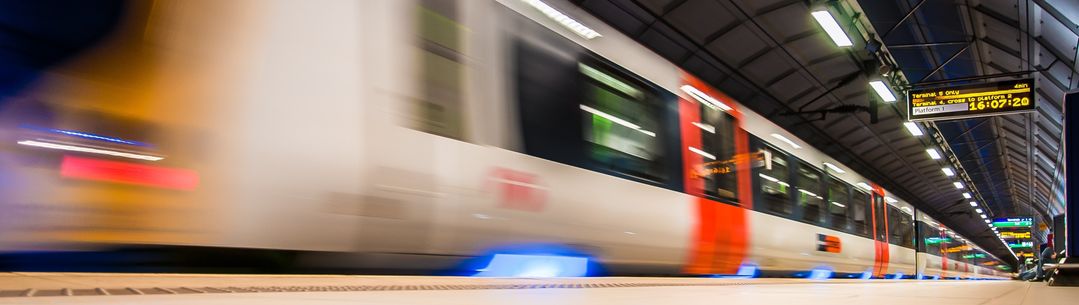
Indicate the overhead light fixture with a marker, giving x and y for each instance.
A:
(705, 99)
(865, 186)
(948, 171)
(562, 19)
(838, 204)
(958, 185)
(933, 153)
(966, 195)
(828, 22)
(986, 220)
(834, 168)
(973, 204)
(788, 141)
(91, 150)
(890, 200)
(702, 153)
(882, 90)
(978, 210)
(983, 216)
(913, 128)
(617, 120)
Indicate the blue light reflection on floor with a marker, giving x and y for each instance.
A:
(523, 265)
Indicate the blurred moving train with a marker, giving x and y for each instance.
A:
(484, 136)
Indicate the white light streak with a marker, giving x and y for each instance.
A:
(705, 99)
(89, 150)
(958, 185)
(702, 153)
(788, 141)
(834, 168)
(617, 120)
(705, 127)
(562, 19)
(967, 195)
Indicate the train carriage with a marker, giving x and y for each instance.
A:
(423, 134)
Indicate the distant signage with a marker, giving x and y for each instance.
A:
(970, 100)
(1021, 245)
(974, 255)
(936, 240)
(1013, 222)
(960, 248)
(1015, 235)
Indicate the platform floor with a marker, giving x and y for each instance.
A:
(87, 288)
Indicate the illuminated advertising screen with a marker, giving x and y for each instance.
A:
(970, 100)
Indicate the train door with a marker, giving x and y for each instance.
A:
(880, 232)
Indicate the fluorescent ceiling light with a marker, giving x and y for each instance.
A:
(702, 153)
(562, 19)
(890, 200)
(978, 210)
(958, 185)
(973, 204)
(933, 153)
(986, 220)
(89, 150)
(913, 128)
(865, 186)
(882, 90)
(788, 141)
(617, 120)
(966, 195)
(948, 171)
(705, 99)
(834, 168)
(705, 127)
(983, 216)
(826, 21)
(837, 204)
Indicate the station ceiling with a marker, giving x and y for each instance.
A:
(773, 58)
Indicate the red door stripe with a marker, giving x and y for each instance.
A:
(721, 235)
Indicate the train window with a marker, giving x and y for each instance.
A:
(932, 239)
(809, 198)
(773, 183)
(439, 109)
(621, 123)
(838, 193)
(859, 212)
(717, 139)
(900, 227)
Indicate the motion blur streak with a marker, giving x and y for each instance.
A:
(130, 173)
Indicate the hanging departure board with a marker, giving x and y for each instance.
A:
(970, 100)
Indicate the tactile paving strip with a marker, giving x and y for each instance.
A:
(341, 288)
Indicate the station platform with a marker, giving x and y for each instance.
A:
(96, 288)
